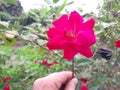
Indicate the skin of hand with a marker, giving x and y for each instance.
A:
(55, 81)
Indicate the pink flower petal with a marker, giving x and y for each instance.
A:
(55, 43)
(75, 21)
(69, 53)
(62, 22)
(89, 24)
(86, 38)
(87, 52)
(53, 32)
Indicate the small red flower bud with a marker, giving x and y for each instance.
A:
(7, 87)
(35, 61)
(6, 79)
(44, 62)
(51, 64)
(84, 80)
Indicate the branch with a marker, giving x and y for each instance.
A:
(44, 37)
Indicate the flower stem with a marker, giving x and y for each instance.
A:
(73, 71)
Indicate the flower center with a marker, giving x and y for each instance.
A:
(70, 35)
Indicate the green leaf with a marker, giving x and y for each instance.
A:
(44, 12)
(78, 85)
(11, 2)
(62, 6)
(83, 62)
(55, 1)
(31, 14)
(5, 16)
(68, 62)
(2, 27)
(94, 87)
(42, 51)
(117, 7)
(97, 27)
(99, 32)
(70, 3)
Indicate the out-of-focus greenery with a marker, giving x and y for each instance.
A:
(18, 63)
(23, 40)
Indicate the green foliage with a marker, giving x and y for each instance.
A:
(78, 85)
(94, 88)
(12, 7)
(21, 67)
(62, 7)
(83, 62)
(8, 42)
(11, 1)
(55, 1)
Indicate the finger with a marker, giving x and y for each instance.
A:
(72, 84)
(38, 84)
(59, 78)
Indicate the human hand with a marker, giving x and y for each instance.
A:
(56, 81)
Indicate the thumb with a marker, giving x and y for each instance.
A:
(71, 84)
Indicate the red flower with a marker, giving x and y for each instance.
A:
(7, 87)
(51, 64)
(35, 61)
(84, 87)
(6, 79)
(117, 43)
(84, 80)
(44, 62)
(72, 35)
(84, 83)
